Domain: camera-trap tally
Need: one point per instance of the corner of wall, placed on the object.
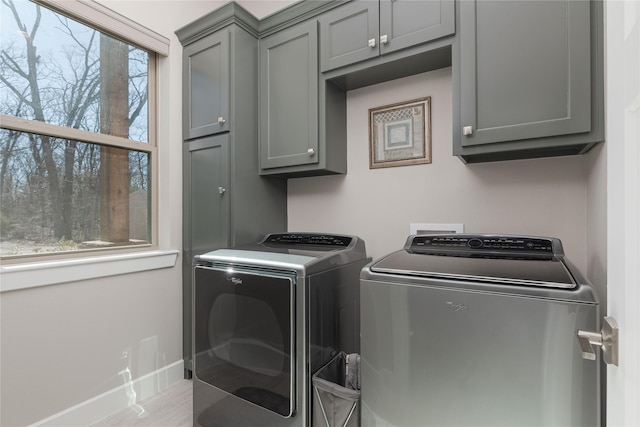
(596, 164)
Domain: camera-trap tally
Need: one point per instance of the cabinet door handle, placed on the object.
(221, 190)
(311, 152)
(384, 39)
(467, 130)
(221, 120)
(372, 43)
(607, 339)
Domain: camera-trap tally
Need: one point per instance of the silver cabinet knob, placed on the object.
(311, 152)
(467, 130)
(372, 43)
(384, 39)
(221, 190)
(221, 120)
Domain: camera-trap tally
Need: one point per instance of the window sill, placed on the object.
(24, 276)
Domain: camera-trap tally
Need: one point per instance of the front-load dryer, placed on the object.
(266, 318)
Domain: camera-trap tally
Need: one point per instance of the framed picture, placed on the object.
(400, 134)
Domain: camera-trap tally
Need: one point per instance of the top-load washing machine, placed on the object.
(477, 330)
(266, 318)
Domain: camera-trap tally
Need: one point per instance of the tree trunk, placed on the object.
(67, 188)
(114, 120)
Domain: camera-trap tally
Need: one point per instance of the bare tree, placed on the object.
(34, 101)
(93, 91)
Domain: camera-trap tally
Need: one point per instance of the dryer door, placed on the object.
(244, 334)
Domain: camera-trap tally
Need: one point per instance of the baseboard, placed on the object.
(99, 407)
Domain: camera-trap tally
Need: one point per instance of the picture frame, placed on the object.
(400, 134)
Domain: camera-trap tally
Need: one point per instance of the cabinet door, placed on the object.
(289, 97)
(205, 224)
(206, 86)
(405, 23)
(524, 70)
(207, 194)
(349, 34)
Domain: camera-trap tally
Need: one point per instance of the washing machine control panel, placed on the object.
(484, 245)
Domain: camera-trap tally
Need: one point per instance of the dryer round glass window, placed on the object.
(254, 342)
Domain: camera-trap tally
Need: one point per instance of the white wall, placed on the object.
(622, 85)
(597, 222)
(65, 344)
(545, 197)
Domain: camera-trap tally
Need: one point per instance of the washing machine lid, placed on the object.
(509, 260)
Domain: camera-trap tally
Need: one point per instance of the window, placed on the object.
(77, 139)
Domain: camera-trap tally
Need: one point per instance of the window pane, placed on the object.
(59, 195)
(58, 71)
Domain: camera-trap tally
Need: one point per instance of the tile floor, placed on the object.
(170, 408)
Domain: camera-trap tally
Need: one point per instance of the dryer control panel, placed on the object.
(314, 239)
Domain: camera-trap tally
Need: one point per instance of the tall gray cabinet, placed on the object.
(527, 79)
(226, 202)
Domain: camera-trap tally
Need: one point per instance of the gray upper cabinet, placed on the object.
(527, 79)
(289, 98)
(365, 29)
(302, 116)
(206, 86)
(405, 23)
(349, 34)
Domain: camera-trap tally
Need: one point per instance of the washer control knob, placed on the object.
(474, 243)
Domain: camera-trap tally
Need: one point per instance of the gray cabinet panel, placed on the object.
(289, 97)
(366, 29)
(525, 73)
(408, 22)
(206, 86)
(205, 214)
(208, 165)
(346, 34)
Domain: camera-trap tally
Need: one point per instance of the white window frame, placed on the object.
(27, 272)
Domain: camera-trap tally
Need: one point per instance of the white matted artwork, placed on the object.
(400, 134)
